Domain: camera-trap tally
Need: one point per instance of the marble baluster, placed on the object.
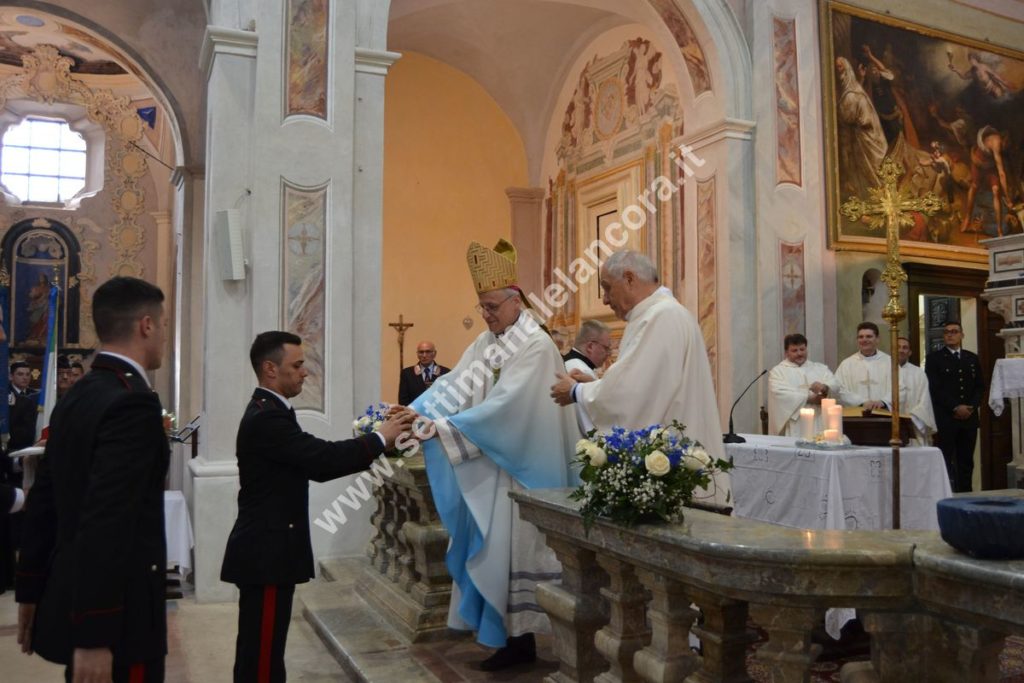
(963, 653)
(893, 635)
(668, 657)
(789, 652)
(626, 631)
(724, 639)
(576, 611)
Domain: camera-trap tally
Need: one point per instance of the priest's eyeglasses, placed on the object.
(492, 308)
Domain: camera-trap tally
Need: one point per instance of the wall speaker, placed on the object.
(227, 228)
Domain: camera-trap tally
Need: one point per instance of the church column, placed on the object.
(367, 220)
(722, 190)
(525, 205)
(229, 61)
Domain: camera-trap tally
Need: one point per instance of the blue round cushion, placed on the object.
(990, 528)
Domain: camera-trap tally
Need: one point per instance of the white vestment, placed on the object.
(498, 430)
(662, 374)
(865, 378)
(916, 402)
(582, 420)
(788, 391)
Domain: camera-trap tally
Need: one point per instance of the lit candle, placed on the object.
(827, 403)
(834, 420)
(831, 436)
(807, 424)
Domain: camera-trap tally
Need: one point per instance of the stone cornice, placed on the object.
(375, 62)
(228, 41)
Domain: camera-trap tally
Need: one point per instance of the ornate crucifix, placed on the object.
(400, 327)
(891, 207)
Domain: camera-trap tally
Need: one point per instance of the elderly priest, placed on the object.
(662, 373)
(497, 431)
(797, 383)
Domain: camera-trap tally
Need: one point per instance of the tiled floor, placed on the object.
(201, 643)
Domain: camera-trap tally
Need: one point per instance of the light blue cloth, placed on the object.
(515, 424)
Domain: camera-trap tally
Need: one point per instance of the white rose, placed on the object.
(363, 422)
(596, 455)
(658, 464)
(355, 425)
(377, 424)
(701, 455)
(582, 445)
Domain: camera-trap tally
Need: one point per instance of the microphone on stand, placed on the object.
(732, 436)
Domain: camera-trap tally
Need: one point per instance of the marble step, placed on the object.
(365, 645)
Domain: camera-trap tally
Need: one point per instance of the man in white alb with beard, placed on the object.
(797, 383)
(865, 378)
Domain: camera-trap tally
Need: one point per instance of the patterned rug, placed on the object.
(1011, 663)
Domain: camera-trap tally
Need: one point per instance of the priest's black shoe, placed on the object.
(518, 650)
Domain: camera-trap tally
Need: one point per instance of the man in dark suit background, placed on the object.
(416, 379)
(269, 549)
(91, 575)
(956, 386)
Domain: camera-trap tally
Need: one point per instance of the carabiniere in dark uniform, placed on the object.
(955, 381)
(94, 554)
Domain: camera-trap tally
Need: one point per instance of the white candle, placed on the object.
(831, 436)
(807, 424)
(826, 404)
(834, 420)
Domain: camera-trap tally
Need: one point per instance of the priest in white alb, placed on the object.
(915, 399)
(797, 383)
(662, 372)
(865, 377)
(497, 431)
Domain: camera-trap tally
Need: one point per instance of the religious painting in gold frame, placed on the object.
(946, 107)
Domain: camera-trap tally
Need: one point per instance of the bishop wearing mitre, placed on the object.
(497, 431)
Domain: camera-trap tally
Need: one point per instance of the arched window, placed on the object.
(43, 161)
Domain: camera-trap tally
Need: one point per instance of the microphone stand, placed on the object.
(732, 436)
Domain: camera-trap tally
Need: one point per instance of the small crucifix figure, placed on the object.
(401, 326)
(867, 386)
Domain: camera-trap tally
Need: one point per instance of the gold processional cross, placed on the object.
(401, 326)
(891, 207)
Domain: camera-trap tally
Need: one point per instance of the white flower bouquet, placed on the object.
(371, 420)
(641, 475)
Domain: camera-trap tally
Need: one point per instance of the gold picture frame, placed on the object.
(929, 99)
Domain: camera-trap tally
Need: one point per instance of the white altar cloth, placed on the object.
(179, 531)
(1007, 382)
(774, 481)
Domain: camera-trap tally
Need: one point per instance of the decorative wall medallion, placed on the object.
(793, 286)
(610, 107)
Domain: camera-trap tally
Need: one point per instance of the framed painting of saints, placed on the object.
(948, 109)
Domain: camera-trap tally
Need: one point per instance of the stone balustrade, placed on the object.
(407, 580)
(623, 609)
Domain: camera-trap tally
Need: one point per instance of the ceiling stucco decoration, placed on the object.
(689, 46)
(619, 97)
(46, 77)
(21, 31)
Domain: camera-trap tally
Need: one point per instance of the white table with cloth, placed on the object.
(1008, 384)
(851, 488)
(179, 531)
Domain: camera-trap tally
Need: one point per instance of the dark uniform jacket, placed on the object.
(411, 384)
(94, 556)
(270, 543)
(7, 496)
(24, 406)
(954, 382)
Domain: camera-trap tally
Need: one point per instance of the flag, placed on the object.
(48, 386)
